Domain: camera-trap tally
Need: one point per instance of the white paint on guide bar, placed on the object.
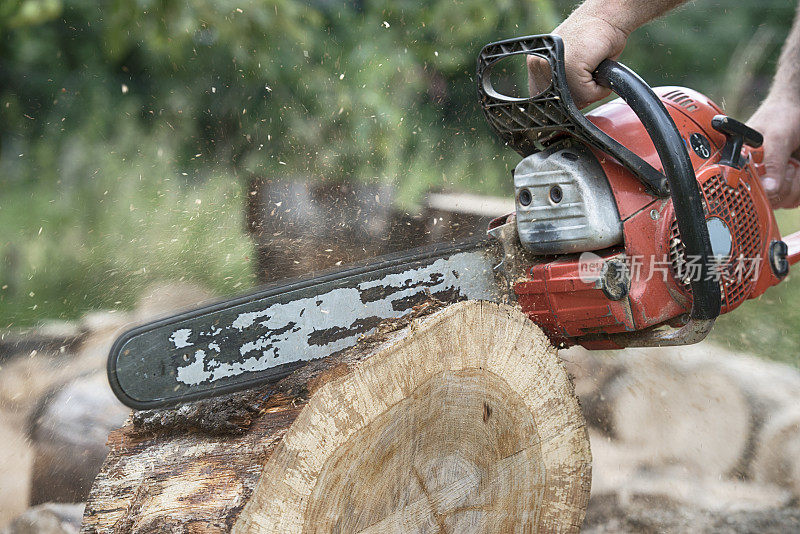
(339, 308)
(246, 320)
(195, 372)
(180, 338)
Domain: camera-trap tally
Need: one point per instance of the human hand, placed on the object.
(778, 120)
(588, 40)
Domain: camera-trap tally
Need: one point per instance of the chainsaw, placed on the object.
(636, 224)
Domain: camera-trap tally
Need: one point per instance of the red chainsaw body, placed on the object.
(555, 293)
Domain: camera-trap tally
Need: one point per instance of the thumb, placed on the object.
(538, 75)
(770, 185)
(775, 160)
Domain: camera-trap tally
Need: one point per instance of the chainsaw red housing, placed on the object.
(571, 309)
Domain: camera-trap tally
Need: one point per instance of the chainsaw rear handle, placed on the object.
(793, 240)
(684, 190)
(793, 244)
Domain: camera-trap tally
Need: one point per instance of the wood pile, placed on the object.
(700, 428)
(50, 518)
(696, 439)
(56, 408)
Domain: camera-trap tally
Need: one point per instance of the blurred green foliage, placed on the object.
(117, 116)
(128, 128)
(718, 47)
(332, 89)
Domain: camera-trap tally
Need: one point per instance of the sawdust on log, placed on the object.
(234, 413)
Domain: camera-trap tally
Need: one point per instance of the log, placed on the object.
(777, 455)
(677, 413)
(459, 419)
(50, 518)
(41, 411)
(592, 372)
(704, 408)
(52, 336)
(622, 471)
(68, 431)
(15, 467)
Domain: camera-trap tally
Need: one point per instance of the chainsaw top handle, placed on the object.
(529, 124)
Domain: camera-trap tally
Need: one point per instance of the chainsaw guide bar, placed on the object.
(262, 337)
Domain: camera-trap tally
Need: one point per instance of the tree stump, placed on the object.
(461, 420)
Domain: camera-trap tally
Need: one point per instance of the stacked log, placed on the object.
(677, 411)
(776, 459)
(675, 430)
(56, 408)
(715, 413)
(50, 518)
(15, 467)
(69, 429)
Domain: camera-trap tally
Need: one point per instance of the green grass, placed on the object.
(108, 225)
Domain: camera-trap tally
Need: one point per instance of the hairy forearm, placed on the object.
(778, 120)
(786, 84)
(625, 15)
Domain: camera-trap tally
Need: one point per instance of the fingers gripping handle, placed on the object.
(528, 124)
(792, 240)
(679, 172)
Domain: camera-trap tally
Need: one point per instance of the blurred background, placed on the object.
(155, 153)
(132, 133)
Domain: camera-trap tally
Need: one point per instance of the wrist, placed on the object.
(609, 13)
(626, 15)
(589, 36)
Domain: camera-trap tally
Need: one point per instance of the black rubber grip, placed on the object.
(684, 190)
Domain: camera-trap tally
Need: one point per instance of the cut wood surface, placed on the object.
(462, 420)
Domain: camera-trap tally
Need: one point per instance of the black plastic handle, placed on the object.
(678, 169)
(529, 124)
(737, 134)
